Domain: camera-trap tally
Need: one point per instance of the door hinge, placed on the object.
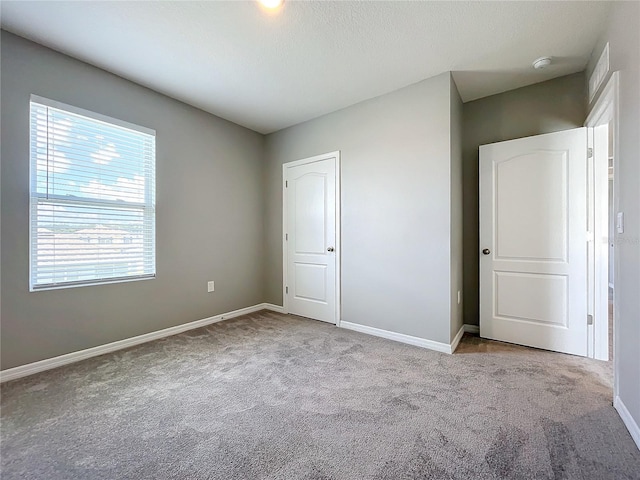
(589, 319)
(589, 152)
(286, 237)
(286, 290)
(286, 184)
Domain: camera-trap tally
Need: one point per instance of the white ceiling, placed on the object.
(269, 71)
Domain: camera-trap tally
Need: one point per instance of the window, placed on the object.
(92, 212)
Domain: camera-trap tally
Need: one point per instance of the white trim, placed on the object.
(605, 110)
(628, 420)
(316, 158)
(338, 250)
(89, 283)
(591, 236)
(272, 307)
(456, 339)
(285, 252)
(468, 328)
(599, 203)
(92, 115)
(401, 337)
(49, 363)
(338, 245)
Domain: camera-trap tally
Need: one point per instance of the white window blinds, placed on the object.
(92, 209)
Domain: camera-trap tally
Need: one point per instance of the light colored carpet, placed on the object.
(270, 396)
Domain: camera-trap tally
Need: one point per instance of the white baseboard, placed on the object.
(49, 363)
(456, 339)
(400, 337)
(628, 420)
(468, 328)
(272, 307)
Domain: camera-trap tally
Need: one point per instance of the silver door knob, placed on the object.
(330, 249)
(486, 251)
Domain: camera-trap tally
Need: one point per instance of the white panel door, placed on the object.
(310, 238)
(533, 241)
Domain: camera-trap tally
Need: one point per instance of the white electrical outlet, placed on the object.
(210, 286)
(459, 297)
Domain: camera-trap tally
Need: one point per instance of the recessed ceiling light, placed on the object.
(542, 62)
(271, 4)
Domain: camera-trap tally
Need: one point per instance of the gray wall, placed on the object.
(395, 152)
(457, 253)
(624, 42)
(550, 106)
(209, 213)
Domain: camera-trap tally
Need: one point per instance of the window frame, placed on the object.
(147, 207)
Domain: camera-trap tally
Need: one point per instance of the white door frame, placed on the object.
(338, 249)
(605, 110)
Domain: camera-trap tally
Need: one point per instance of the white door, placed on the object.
(533, 241)
(310, 228)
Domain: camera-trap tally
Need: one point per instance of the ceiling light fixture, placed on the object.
(271, 4)
(542, 62)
